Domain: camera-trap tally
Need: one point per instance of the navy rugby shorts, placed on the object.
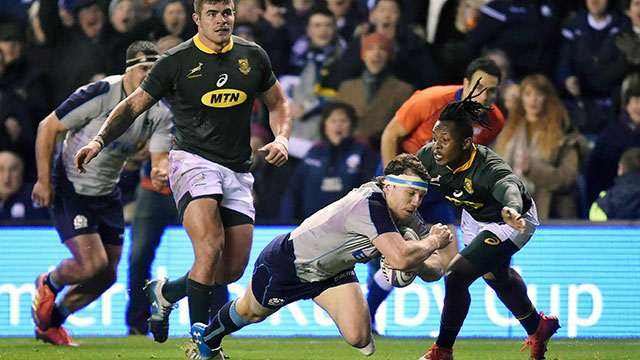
(274, 282)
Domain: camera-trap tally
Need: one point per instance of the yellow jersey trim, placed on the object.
(208, 50)
(466, 165)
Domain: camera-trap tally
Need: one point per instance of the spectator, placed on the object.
(20, 76)
(120, 29)
(347, 15)
(295, 15)
(590, 106)
(270, 31)
(622, 200)
(502, 60)
(543, 148)
(16, 133)
(176, 20)
(601, 166)
(15, 195)
(620, 56)
(413, 62)
(331, 168)
(312, 56)
(80, 50)
(526, 30)
(376, 94)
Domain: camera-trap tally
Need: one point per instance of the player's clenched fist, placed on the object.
(441, 234)
(277, 151)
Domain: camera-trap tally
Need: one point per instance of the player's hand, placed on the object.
(441, 235)
(42, 194)
(85, 154)
(276, 153)
(159, 177)
(513, 219)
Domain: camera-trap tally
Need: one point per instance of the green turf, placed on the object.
(138, 347)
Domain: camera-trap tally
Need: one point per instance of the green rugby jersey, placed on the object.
(212, 96)
(471, 185)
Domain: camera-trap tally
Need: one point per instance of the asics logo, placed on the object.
(222, 79)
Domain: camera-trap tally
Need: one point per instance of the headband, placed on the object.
(141, 60)
(411, 181)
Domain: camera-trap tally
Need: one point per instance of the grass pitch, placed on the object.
(139, 347)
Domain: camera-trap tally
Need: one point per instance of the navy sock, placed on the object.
(199, 301)
(59, 314)
(225, 322)
(219, 297)
(55, 288)
(175, 290)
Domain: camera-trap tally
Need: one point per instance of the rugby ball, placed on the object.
(399, 278)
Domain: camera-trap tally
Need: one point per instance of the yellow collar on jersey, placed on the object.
(466, 165)
(208, 50)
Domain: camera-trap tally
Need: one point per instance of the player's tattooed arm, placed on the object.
(123, 115)
(119, 120)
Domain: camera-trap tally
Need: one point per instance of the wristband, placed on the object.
(99, 140)
(282, 140)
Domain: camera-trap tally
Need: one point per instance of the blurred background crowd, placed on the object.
(569, 90)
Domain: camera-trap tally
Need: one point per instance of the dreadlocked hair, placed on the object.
(467, 111)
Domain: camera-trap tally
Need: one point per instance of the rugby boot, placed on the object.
(43, 304)
(205, 352)
(160, 309)
(537, 342)
(56, 336)
(438, 353)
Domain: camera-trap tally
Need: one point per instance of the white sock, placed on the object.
(369, 349)
(378, 277)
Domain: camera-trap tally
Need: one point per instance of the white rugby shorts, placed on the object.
(198, 177)
(471, 228)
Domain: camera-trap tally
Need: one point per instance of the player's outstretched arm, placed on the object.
(48, 128)
(280, 122)
(119, 120)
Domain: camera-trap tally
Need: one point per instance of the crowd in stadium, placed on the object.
(569, 64)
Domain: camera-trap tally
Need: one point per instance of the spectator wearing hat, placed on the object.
(377, 93)
(79, 50)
